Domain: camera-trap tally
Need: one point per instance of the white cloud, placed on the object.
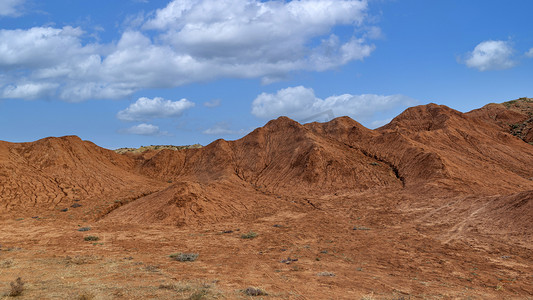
(143, 129)
(491, 55)
(28, 90)
(301, 103)
(187, 41)
(223, 128)
(530, 53)
(213, 103)
(146, 109)
(11, 8)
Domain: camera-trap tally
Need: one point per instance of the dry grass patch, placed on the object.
(17, 287)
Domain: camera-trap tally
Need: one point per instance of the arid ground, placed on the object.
(437, 204)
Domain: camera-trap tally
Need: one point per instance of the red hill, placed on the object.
(437, 203)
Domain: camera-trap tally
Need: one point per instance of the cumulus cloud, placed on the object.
(530, 53)
(28, 90)
(11, 8)
(491, 55)
(157, 108)
(223, 128)
(300, 103)
(185, 42)
(143, 129)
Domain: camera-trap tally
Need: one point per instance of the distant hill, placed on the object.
(156, 147)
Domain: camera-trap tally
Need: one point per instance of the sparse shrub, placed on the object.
(8, 263)
(252, 291)
(326, 274)
(360, 228)
(200, 294)
(374, 163)
(368, 297)
(166, 286)
(84, 229)
(184, 256)
(193, 291)
(249, 235)
(152, 268)
(17, 287)
(91, 238)
(86, 296)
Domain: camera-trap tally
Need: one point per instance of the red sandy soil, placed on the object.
(437, 204)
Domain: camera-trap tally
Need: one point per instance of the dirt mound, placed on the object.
(52, 171)
(187, 203)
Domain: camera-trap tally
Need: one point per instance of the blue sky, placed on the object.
(128, 73)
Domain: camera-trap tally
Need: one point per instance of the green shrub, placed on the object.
(249, 235)
(91, 238)
(252, 291)
(184, 256)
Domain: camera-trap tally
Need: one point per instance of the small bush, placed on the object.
(17, 287)
(326, 274)
(85, 296)
(360, 228)
(368, 297)
(184, 256)
(91, 238)
(249, 235)
(252, 291)
(8, 263)
(152, 268)
(200, 294)
(84, 229)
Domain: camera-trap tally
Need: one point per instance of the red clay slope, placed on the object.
(435, 146)
(256, 175)
(515, 117)
(54, 172)
(428, 150)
